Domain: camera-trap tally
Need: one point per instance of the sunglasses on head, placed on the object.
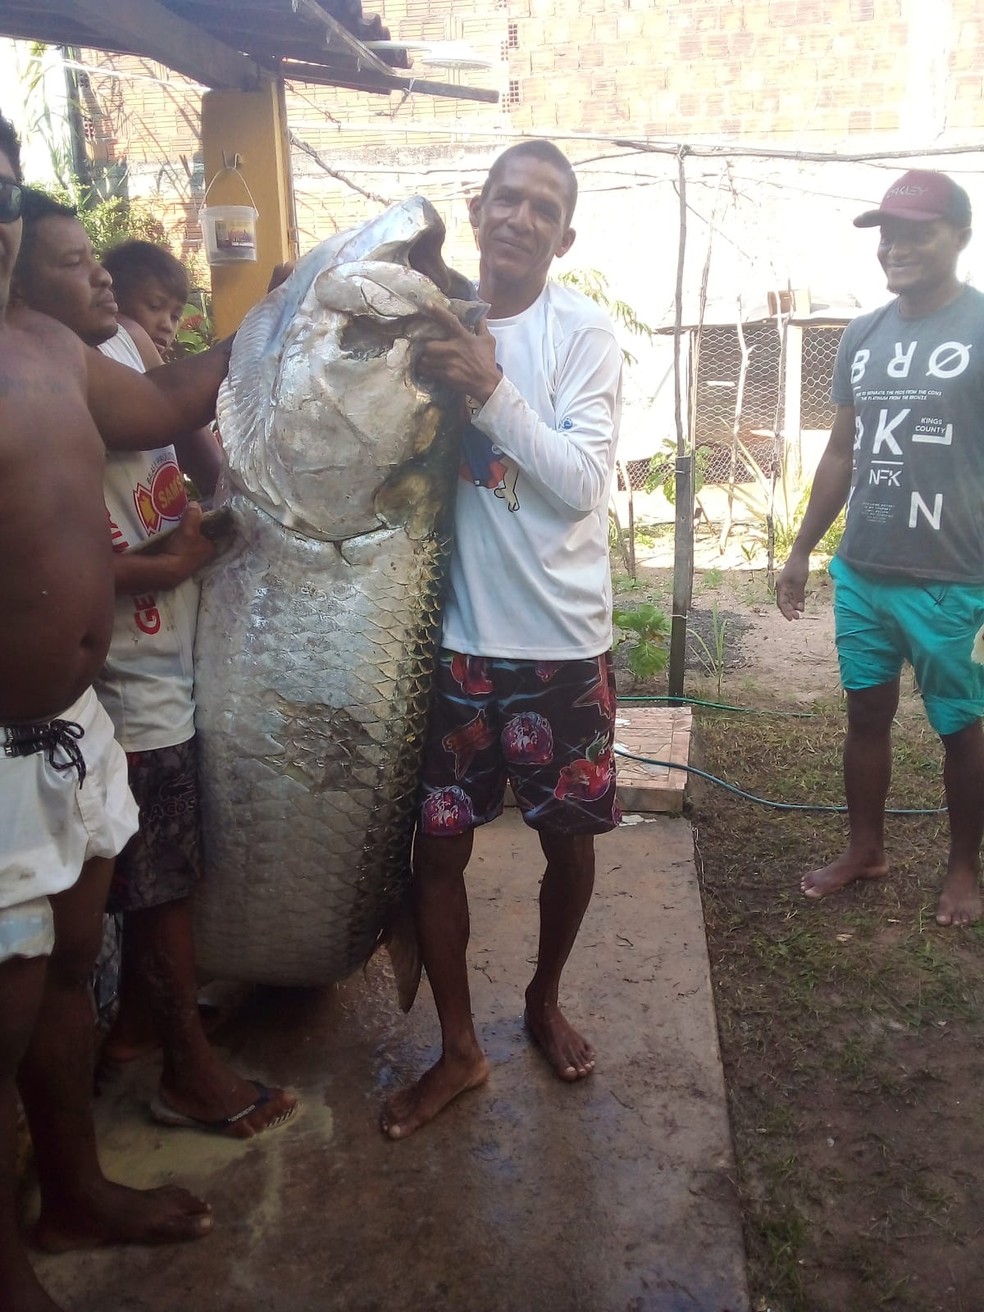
(11, 201)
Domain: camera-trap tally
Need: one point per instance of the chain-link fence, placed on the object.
(820, 342)
(756, 387)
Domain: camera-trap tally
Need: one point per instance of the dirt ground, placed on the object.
(852, 1030)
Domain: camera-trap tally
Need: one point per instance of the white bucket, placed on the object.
(229, 233)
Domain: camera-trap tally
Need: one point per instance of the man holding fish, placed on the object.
(65, 809)
(525, 688)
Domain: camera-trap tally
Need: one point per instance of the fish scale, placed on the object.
(316, 645)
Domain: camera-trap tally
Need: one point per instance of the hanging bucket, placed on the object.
(228, 231)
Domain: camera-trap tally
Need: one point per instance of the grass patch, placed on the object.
(851, 1030)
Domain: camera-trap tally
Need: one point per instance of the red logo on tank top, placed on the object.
(165, 501)
(116, 535)
(146, 615)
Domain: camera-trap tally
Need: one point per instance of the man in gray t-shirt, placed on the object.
(906, 456)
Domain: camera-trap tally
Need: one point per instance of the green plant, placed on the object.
(627, 583)
(776, 522)
(662, 470)
(194, 333)
(715, 650)
(111, 221)
(619, 542)
(644, 630)
(593, 284)
(40, 117)
(828, 544)
(96, 191)
(652, 535)
(108, 221)
(785, 526)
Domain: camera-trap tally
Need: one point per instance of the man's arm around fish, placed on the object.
(58, 400)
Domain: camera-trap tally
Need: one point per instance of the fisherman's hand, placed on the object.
(462, 359)
(791, 586)
(187, 549)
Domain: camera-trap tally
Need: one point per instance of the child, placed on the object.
(151, 287)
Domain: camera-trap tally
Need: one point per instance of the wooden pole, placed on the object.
(248, 129)
(778, 453)
(632, 550)
(746, 352)
(683, 540)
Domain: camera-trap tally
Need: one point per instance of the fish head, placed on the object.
(324, 404)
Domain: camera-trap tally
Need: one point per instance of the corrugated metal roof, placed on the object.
(233, 43)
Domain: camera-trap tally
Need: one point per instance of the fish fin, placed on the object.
(404, 953)
(247, 394)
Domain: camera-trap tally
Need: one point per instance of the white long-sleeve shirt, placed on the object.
(530, 575)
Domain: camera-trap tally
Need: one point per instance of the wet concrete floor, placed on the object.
(528, 1195)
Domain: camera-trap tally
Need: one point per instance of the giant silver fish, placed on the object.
(317, 631)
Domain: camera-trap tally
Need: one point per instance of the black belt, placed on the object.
(58, 738)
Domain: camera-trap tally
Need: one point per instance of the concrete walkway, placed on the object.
(527, 1195)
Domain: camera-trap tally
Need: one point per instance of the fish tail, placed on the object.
(404, 952)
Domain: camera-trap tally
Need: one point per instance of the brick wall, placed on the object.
(143, 114)
(815, 75)
(796, 72)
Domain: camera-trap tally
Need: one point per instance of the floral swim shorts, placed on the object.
(546, 727)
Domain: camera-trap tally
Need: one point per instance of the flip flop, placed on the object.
(165, 1115)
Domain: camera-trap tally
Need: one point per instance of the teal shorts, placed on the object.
(881, 622)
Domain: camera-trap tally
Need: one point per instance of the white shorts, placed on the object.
(51, 823)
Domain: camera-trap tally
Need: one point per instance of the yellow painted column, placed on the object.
(252, 125)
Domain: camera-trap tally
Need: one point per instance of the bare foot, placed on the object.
(214, 1097)
(114, 1214)
(960, 899)
(570, 1055)
(845, 870)
(419, 1103)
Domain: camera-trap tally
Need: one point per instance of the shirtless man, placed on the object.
(146, 687)
(63, 794)
(531, 697)
(906, 454)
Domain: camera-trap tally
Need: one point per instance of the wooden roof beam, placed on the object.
(337, 35)
(394, 81)
(148, 28)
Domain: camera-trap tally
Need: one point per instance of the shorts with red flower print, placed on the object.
(546, 727)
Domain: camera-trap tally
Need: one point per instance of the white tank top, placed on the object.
(147, 683)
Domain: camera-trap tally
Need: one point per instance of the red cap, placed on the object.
(923, 196)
